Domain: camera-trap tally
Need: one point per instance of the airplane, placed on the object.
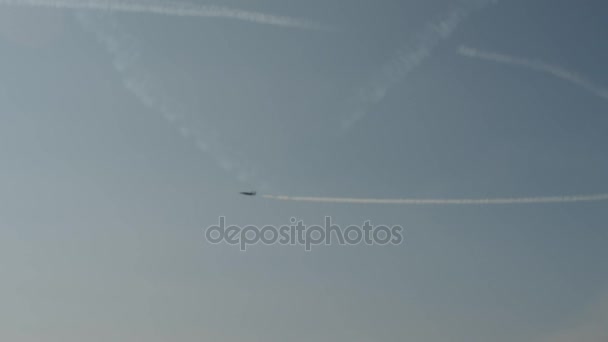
(248, 193)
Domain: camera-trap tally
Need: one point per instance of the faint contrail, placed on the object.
(171, 9)
(141, 83)
(444, 201)
(408, 58)
(553, 70)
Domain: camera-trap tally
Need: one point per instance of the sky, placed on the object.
(129, 127)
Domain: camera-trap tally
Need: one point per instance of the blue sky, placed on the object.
(124, 135)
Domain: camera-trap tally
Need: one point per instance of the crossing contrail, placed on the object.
(553, 70)
(408, 58)
(171, 9)
(446, 201)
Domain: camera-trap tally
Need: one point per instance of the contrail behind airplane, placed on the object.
(553, 70)
(141, 83)
(170, 9)
(445, 201)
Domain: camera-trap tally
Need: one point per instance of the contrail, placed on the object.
(444, 201)
(553, 70)
(171, 9)
(142, 84)
(409, 58)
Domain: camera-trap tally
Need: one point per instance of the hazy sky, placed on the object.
(125, 133)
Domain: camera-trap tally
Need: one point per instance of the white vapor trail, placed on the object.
(142, 84)
(409, 58)
(444, 201)
(170, 9)
(553, 70)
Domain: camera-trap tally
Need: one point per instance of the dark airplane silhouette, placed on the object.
(248, 193)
